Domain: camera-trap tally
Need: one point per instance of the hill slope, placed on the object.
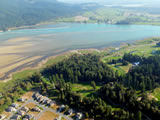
(29, 12)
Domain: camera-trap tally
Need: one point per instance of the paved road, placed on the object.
(44, 110)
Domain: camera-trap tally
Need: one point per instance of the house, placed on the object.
(44, 100)
(15, 117)
(139, 98)
(35, 95)
(14, 105)
(11, 109)
(29, 117)
(136, 63)
(36, 109)
(62, 107)
(48, 101)
(70, 112)
(40, 99)
(25, 109)
(25, 119)
(52, 103)
(21, 113)
(79, 116)
(2, 117)
(21, 100)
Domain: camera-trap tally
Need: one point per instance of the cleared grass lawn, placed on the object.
(48, 116)
(156, 93)
(17, 77)
(27, 95)
(126, 68)
(84, 88)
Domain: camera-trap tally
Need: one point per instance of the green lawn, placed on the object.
(156, 93)
(84, 89)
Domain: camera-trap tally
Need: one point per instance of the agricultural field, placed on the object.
(114, 16)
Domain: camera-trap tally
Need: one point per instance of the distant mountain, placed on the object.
(15, 13)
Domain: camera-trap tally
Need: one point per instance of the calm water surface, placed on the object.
(55, 38)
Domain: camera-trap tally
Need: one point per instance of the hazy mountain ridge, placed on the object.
(29, 12)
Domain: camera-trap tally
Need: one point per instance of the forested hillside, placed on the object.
(111, 96)
(29, 12)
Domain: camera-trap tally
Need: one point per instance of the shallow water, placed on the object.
(48, 39)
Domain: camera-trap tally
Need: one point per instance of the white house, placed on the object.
(11, 109)
(52, 103)
(21, 112)
(14, 105)
(79, 116)
(70, 111)
(136, 63)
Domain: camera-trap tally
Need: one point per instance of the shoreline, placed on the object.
(43, 63)
(55, 22)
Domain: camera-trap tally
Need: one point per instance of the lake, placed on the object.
(66, 36)
(25, 47)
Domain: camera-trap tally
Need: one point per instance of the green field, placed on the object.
(115, 16)
(156, 93)
(19, 76)
(145, 48)
(84, 88)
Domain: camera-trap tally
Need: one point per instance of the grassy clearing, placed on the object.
(84, 88)
(55, 60)
(17, 77)
(156, 93)
(141, 48)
